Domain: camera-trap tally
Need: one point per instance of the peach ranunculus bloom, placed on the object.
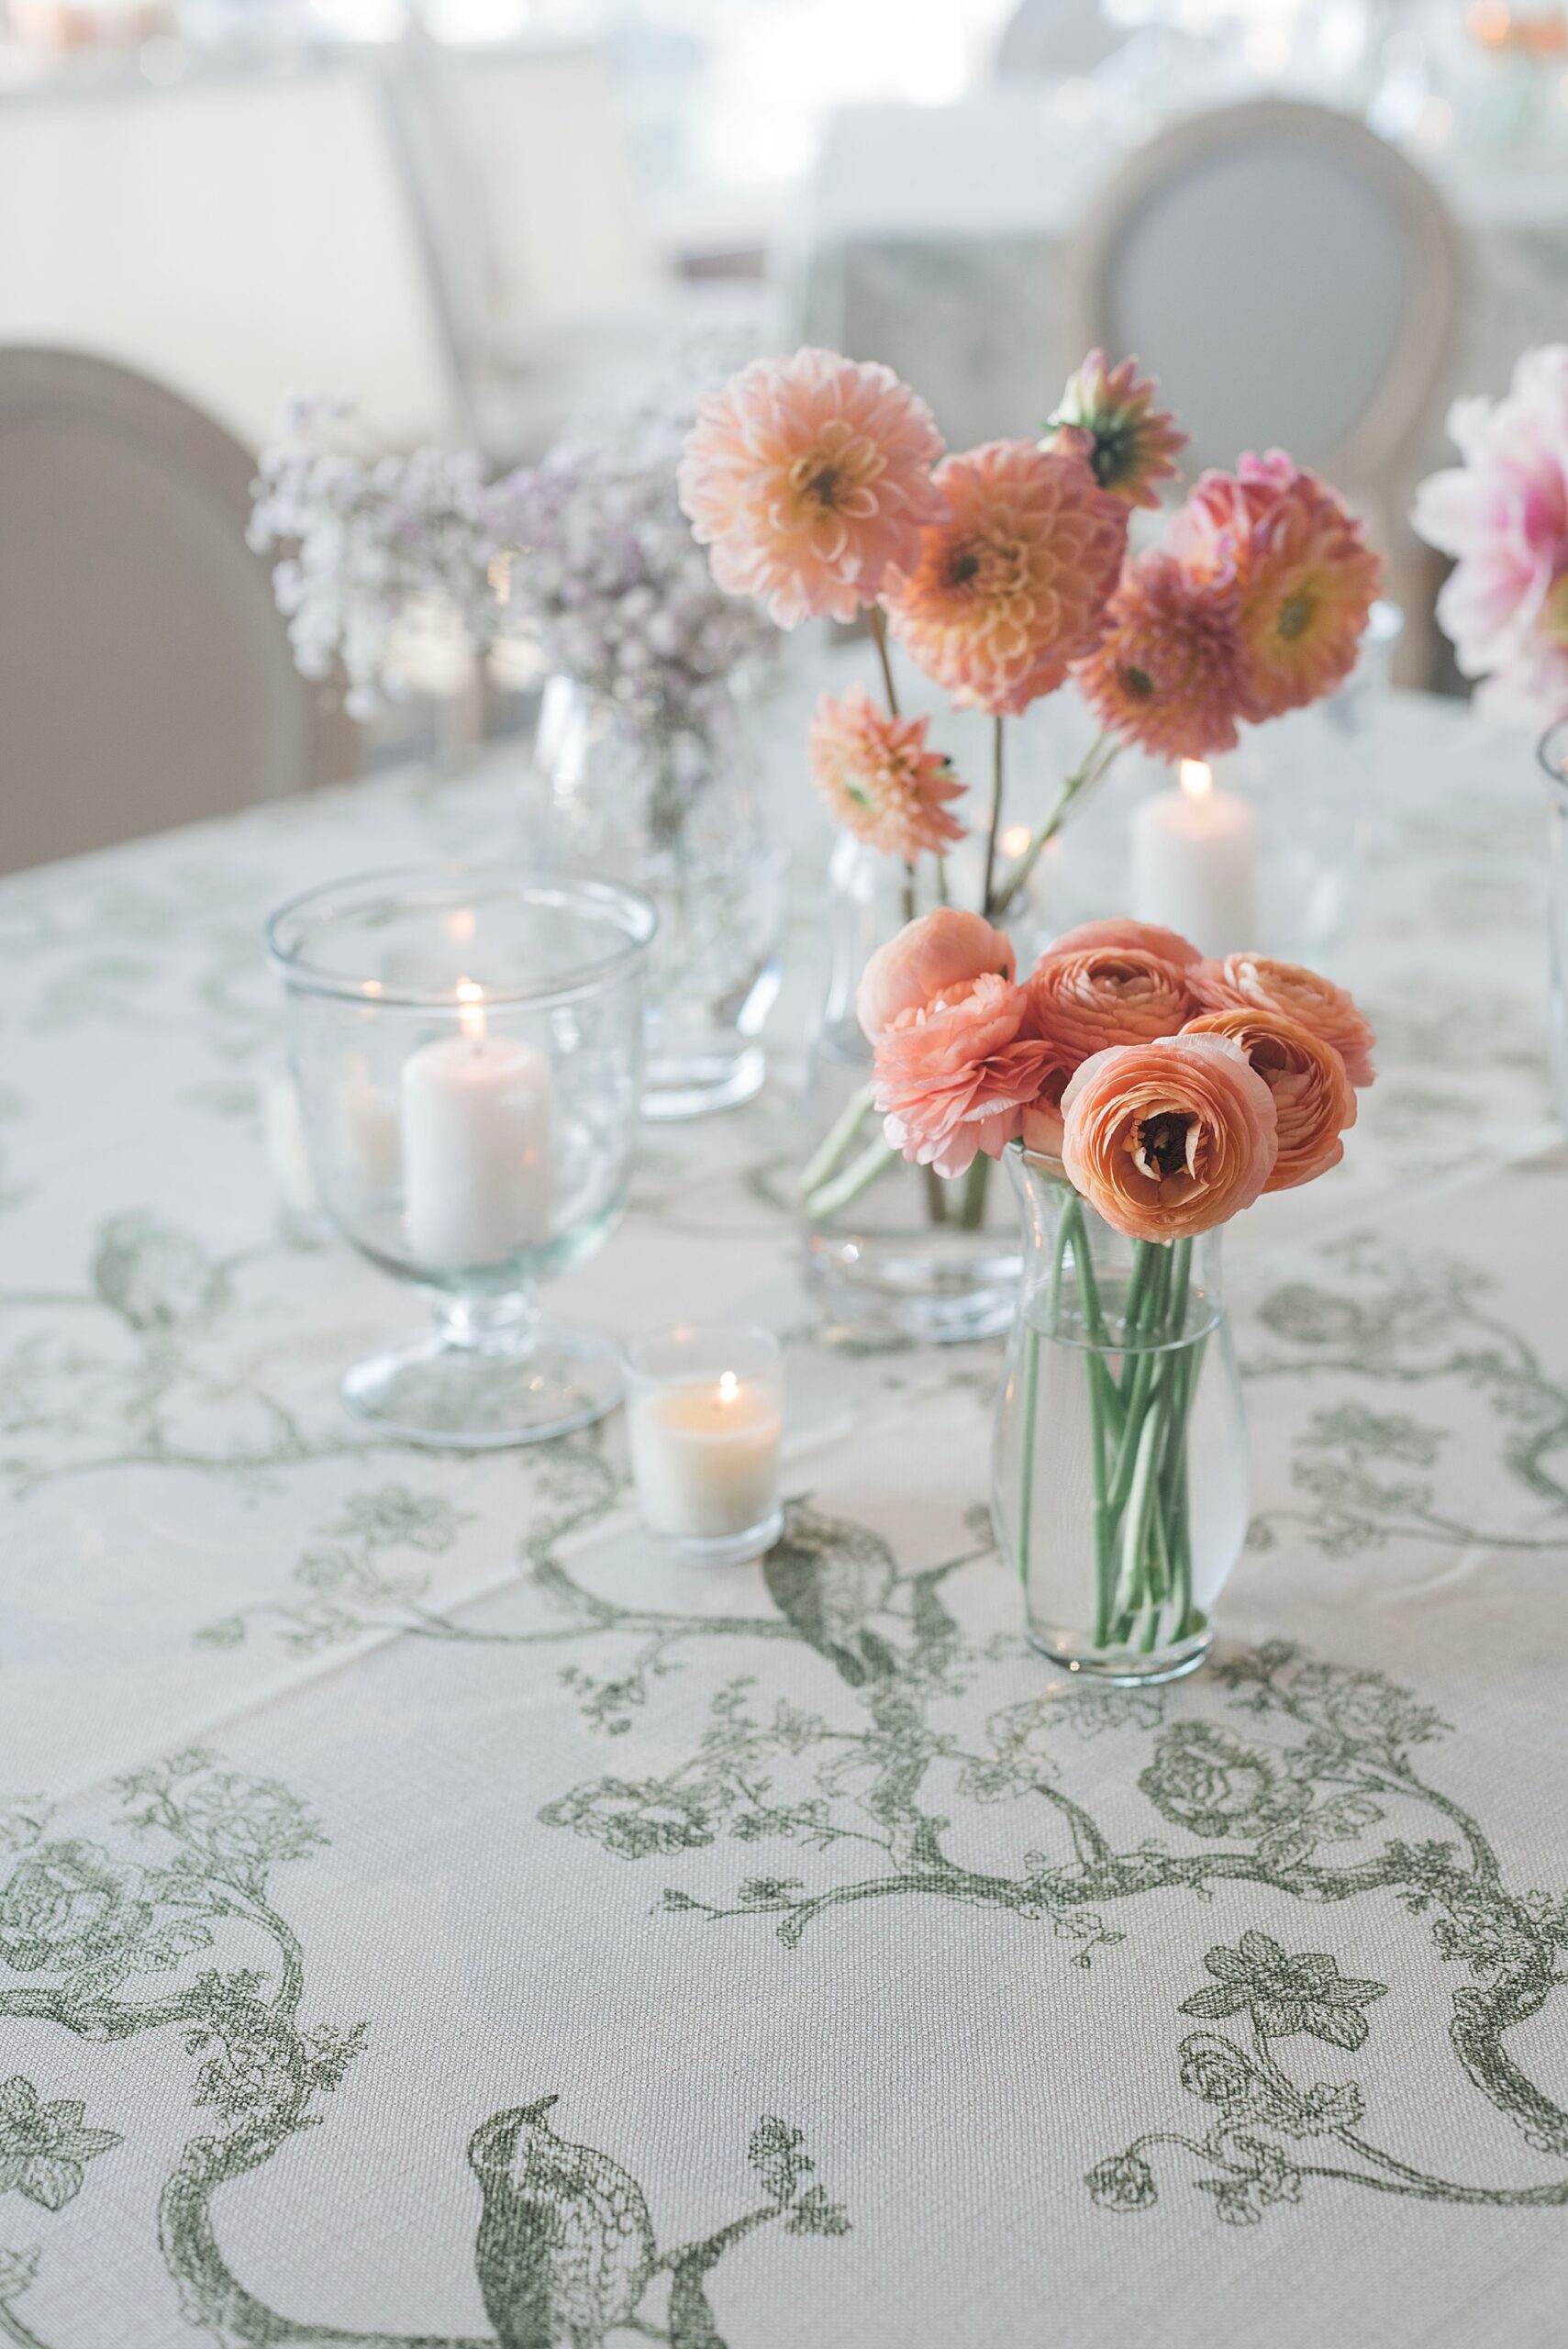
(809, 479)
(1041, 1128)
(1314, 1098)
(1148, 936)
(879, 779)
(1169, 1138)
(1091, 996)
(1168, 674)
(941, 952)
(957, 1076)
(1258, 983)
(1132, 443)
(1013, 585)
(1306, 577)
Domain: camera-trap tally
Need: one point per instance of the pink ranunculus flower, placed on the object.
(809, 479)
(1147, 937)
(1503, 514)
(942, 951)
(879, 778)
(957, 1076)
(1259, 982)
(1087, 998)
(1314, 1098)
(1169, 1138)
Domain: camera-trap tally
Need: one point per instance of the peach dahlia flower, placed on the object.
(956, 1077)
(1149, 937)
(941, 952)
(1132, 443)
(1169, 1138)
(810, 479)
(1168, 673)
(1306, 577)
(1013, 585)
(878, 778)
(1314, 1098)
(1257, 983)
(1087, 998)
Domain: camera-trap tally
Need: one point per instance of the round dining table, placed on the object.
(430, 1916)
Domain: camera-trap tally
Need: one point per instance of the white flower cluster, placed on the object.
(373, 543)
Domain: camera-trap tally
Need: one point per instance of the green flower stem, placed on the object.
(879, 638)
(858, 1176)
(1025, 1462)
(1097, 763)
(998, 774)
(972, 1206)
(833, 1148)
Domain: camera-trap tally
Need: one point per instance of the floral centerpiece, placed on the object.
(1143, 1097)
(820, 489)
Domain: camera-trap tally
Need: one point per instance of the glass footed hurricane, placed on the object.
(468, 1050)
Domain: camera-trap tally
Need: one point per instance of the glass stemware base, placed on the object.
(486, 1376)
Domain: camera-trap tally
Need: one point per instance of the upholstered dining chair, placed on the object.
(145, 675)
(1293, 281)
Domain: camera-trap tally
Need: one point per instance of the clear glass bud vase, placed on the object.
(1120, 1452)
(670, 805)
(893, 1250)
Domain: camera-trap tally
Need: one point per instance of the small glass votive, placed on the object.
(705, 1412)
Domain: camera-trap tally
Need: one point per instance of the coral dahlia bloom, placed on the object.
(809, 478)
(1089, 998)
(1168, 1139)
(1307, 577)
(1013, 585)
(1314, 1098)
(1132, 444)
(1257, 983)
(941, 952)
(956, 1076)
(1148, 936)
(1168, 674)
(878, 778)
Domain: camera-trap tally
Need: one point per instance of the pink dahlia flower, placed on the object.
(879, 779)
(1168, 673)
(1503, 514)
(1013, 585)
(958, 1077)
(1132, 443)
(1306, 578)
(809, 479)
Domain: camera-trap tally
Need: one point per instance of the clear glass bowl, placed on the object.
(467, 1048)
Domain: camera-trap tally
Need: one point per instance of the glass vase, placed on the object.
(1119, 1450)
(1554, 755)
(672, 807)
(892, 1251)
(467, 1051)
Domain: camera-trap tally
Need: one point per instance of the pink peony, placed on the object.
(810, 479)
(1013, 585)
(1503, 514)
(879, 779)
(958, 1076)
(943, 950)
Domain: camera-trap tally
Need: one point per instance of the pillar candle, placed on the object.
(476, 1145)
(1195, 861)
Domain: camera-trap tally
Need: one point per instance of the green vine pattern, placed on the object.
(113, 1947)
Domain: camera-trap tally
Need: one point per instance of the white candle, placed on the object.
(1194, 862)
(283, 1129)
(370, 1131)
(706, 1456)
(475, 1140)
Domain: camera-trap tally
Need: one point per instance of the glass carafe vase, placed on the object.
(1120, 1452)
(672, 806)
(892, 1251)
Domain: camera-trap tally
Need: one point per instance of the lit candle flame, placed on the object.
(729, 1387)
(1198, 781)
(470, 1010)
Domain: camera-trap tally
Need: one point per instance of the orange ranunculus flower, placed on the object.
(810, 479)
(879, 778)
(1087, 998)
(1257, 983)
(1314, 1098)
(1169, 944)
(929, 958)
(1169, 1138)
(1013, 585)
(956, 1076)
